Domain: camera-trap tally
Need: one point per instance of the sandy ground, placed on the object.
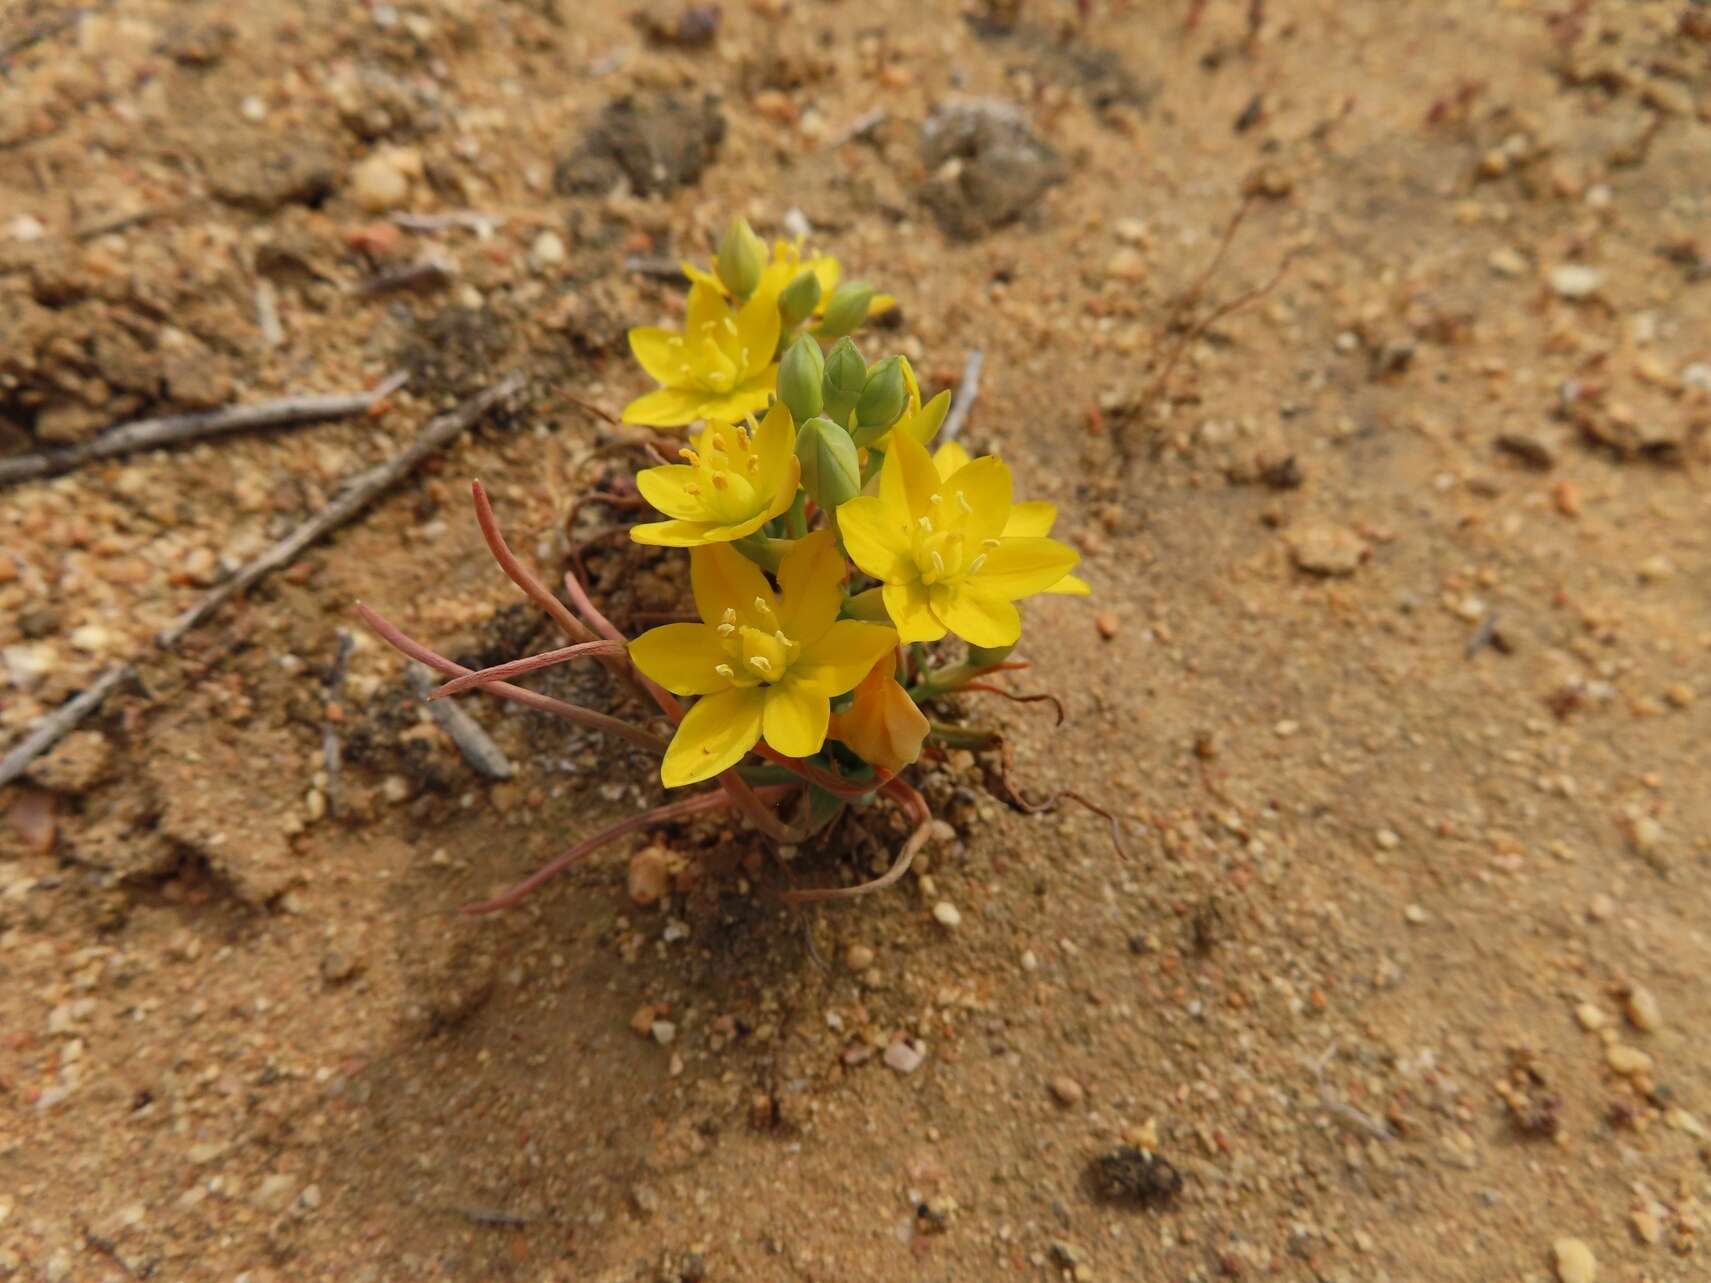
(1397, 672)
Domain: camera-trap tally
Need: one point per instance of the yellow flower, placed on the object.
(942, 549)
(883, 725)
(786, 265)
(1031, 518)
(731, 486)
(764, 663)
(720, 367)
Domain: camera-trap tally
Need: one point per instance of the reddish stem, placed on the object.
(916, 806)
(528, 664)
(518, 573)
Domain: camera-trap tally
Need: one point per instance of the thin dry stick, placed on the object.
(660, 269)
(49, 730)
(963, 402)
(398, 640)
(485, 757)
(355, 496)
(148, 434)
(659, 815)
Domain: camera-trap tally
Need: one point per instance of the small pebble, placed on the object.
(547, 251)
(1590, 1017)
(1415, 914)
(1647, 1228)
(1127, 264)
(905, 1057)
(1575, 1262)
(947, 914)
(1642, 1010)
(1067, 1090)
(1627, 1060)
(1325, 549)
(1507, 262)
(1387, 839)
(1108, 624)
(664, 1032)
(649, 876)
(1576, 280)
(858, 957)
(1601, 909)
(381, 182)
(275, 1193)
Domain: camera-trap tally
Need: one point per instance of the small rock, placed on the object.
(1656, 569)
(664, 1032)
(337, 967)
(1067, 1255)
(1387, 839)
(906, 1056)
(25, 228)
(1136, 1174)
(1574, 1260)
(1647, 1228)
(547, 252)
(1326, 549)
(1127, 264)
(381, 182)
(1507, 262)
(1642, 1010)
(1590, 1017)
(947, 914)
(649, 877)
(1108, 624)
(275, 1193)
(395, 789)
(1067, 1091)
(1601, 909)
(1645, 833)
(858, 957)
(1627, 1060)
(1415, 915)
(1130, 231)
(1576, 280)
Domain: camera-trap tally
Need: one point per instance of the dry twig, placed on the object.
(963, 402)
(148, 434)
(485, 757)
(49, 730)
(355, 496)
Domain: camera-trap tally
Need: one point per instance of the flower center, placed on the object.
(757, 656)
(943, 550)
(727, 468)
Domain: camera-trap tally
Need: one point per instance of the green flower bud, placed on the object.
(983, 656)
(742, 258)
(883, 395)
(831, 473)
(846, 375)
(799, 378)
(797, 300)
(847, 308)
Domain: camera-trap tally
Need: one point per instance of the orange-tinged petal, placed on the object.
(984, 486)
(907, 480)
(660, 352)
(667, 408)
(884, 726)
(811, 583)
(714, 736)
(682, 658)
(911, 611)
(671, 489)
(723, 579)
(1020, 567)
(1033, 518)
(796, 717)
(840, 658)
(876, 539)
(976, 618)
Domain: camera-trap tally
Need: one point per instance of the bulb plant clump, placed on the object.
(830, 536)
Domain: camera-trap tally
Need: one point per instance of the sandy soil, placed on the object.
(1397, 672)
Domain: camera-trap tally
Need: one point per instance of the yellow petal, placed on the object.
(811, 582)
(950, 458)
(978, 619)
(842, 656)
(868, 605)
(714, 736)
(876, 539)
(984, 486)
(707, 311)
(907, 479)
(682, 658)
(923, 426)
(1030, 519)
(1021, 567)
(757, 333)
(723, 579)
(1070, 586)
(668, 488)
(666, 408)
(741, 401)
(698, 277)
(881, 303)
(827, 270)
(660, 353)
(678, 534)
(775, 446)
(912, 612)
(796, 717)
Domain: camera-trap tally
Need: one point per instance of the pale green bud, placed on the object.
(742, 258)
(797, 300)
(883, 395)
(800, 375)
(846, 375)
(847, 308)
(831, 474)
(983, 656)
